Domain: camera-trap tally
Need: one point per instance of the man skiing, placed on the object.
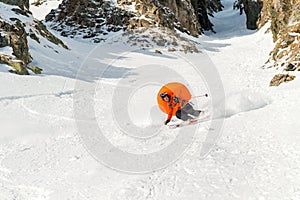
(183, 109)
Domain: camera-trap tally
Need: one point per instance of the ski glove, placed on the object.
(167, 121)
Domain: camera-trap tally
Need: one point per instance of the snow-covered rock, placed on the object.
(17, 27)
(93, 19)
(285, 26)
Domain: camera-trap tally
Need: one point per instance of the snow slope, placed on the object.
(42, 10)
(49, 148)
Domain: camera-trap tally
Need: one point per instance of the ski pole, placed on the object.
(203, 95)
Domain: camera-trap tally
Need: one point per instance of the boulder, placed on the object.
(281, 78)
(18, 65)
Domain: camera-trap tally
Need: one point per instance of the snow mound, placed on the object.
(145, 113)
(245, 101)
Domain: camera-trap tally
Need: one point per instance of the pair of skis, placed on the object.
(189, 122)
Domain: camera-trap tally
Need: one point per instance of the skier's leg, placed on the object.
(188, 108)
(196, 113)
(181, 114)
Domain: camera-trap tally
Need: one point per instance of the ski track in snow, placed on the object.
(256, 157)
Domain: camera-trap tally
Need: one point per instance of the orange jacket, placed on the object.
(174, 105)
(179, 97)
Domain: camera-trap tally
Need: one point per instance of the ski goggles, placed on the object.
(164, 94)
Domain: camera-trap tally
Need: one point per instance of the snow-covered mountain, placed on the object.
(71, 18)
(89, 127)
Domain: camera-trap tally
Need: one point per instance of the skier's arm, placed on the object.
(171, 105)
(169, 117)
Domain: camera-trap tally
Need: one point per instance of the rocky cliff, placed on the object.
(93, 19)
(252, 9)
(16, 27)
(88, 19)
(284, 16)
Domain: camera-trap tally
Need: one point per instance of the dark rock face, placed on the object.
(3, 41)
(185, 14)
(42, 30)
(252, 9)
(23, 4)
(169, 14)
(205, 8)
(88, 18)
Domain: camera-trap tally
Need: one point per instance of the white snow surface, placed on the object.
(6, 14)
(257, 156)
(42, 10)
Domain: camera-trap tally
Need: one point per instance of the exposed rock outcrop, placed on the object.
(285, 26)
(281, 78)
(42, 30)
(88, 19)
(167, 14)
(205, 8)
(284, 16)
(23, 4)
(162, 38)
(38, 2)
(252, 9)
(185, 14)
(13, 34)
(93, 19)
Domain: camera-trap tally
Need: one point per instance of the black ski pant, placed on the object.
(185, 112)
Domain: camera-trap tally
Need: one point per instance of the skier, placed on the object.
(183, 109)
